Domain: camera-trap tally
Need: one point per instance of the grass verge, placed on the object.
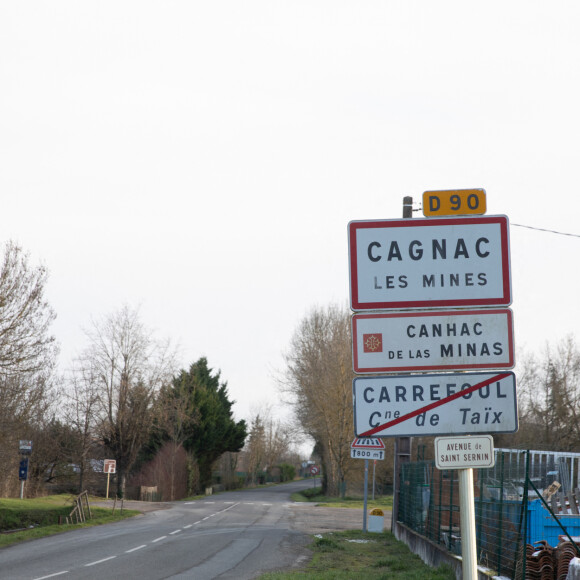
(40, 518)
(354, 554)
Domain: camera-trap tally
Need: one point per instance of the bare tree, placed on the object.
(268, 443)
(129, 367)
(81, 414)
(27, 351)
(318, 378)
(254, 449)
(549, 398)
(174, 414)
(25, 316)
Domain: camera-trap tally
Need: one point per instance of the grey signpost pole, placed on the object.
(22, 489)
(402, 444)
(366, 495)
(467, 521)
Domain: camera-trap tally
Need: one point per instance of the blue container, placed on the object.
(543, 526)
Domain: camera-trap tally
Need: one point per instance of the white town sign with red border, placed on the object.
(429, 263)
(432, 341)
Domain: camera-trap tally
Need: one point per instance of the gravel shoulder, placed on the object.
(312, 519)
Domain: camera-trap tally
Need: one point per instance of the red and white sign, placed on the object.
(313, 470)
(367, 443)
(435, 404)
(431, 341)
(429, 263)
(109, 466)
(367, 448)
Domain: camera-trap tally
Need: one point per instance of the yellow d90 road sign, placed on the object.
(454, 202)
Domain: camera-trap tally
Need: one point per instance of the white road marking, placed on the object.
(100, 561)
(135, 549)
(230, 506)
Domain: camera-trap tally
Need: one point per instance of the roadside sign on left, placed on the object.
(109, 466)
(23, 469)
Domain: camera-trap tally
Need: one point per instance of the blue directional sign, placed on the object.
(23, 469)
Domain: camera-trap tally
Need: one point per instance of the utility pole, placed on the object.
(402, 444)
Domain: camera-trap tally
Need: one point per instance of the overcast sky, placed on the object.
(201, 160)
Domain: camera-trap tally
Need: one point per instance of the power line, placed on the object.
(544, 230)
(528, 227)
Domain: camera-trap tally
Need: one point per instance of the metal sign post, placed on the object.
(467, 522)
(463, 454)
(25, 448)
(365, 495)
(23, 474)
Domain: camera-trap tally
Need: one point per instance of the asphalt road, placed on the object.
(237, 535)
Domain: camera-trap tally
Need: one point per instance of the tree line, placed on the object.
(317, 381)
(124, 398)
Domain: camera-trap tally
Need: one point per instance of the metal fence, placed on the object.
(526, 503)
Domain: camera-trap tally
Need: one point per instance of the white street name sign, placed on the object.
(432, 341)
(429, 263)
(475, 451)
(435, 404)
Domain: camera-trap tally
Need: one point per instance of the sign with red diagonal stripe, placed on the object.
(435, 404)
